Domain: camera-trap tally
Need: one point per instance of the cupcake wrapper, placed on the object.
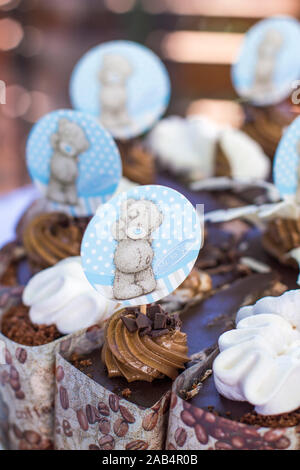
(285, 233)
(193, 428)
(27, 387)
(90, 417)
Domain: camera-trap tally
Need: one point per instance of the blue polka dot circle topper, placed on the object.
(141, 245)
(122, 83)
(74, 161)
(268, 63)
(286, 169)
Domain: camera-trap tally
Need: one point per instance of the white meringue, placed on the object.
(259, 361)
(62, 295)
(246, 157)
(190, 145)
(185, 144)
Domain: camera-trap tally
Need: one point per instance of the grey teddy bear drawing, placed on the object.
(67, 143)
(134, 254)
(113, 76)
(267, 53)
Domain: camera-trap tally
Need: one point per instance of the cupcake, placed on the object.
(244, 395)
(122, 387)
(55, 304)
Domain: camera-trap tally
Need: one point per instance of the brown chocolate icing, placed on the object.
(266, 124)
(133, 348)
(51, 237)
(281, 236)
(138, 164)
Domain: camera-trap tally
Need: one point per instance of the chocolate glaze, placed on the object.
(142, 393)
(205, 322)
(209, 398)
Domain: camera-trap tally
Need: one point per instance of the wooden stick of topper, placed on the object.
(143, 309)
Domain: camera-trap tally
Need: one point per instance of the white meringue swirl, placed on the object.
(190, 145)
(259, 361)
(62, 295)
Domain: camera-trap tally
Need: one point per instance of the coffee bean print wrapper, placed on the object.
(193, 428)
(27, 387)
(91, 417)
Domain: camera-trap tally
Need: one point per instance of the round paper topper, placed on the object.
(141, 245)
(74, 161)
(286, 169)
(269, 62)
(122, 83)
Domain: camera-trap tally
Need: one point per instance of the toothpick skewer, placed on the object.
(143, 309)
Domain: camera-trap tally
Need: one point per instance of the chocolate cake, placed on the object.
(17, 326)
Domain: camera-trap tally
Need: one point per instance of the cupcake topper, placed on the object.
(141, 245)
(73, 161)
(123, 84)
(268, 63)
(286, 169)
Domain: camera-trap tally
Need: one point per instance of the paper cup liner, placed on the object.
(10, 255)
(286, 233)
(27, 387)
(90, 417)
(193, 428)
(280, 237)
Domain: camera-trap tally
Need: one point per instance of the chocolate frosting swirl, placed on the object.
(136, 349)
(53, 236)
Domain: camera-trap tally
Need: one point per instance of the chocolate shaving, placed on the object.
(142, 321)
(146, 331)
(160, 321)
(157, 333)
(130, 323)
(155, 323)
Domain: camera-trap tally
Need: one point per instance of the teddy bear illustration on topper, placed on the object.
(267, 52)
(134, 254)
(67, 143)
(113, 77)
(297, 196)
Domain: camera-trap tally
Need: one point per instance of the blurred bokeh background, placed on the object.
(41, 40)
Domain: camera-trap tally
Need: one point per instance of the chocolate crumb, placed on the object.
(272, 421)
(17, 326)
(126, 393)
